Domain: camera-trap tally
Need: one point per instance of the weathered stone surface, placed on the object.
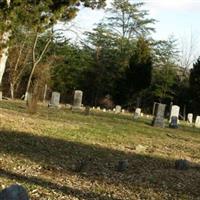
(55, 99)
(197, 122)
(78, 95)
(14, 192)
(118, 109)
(122, 165)
(158, 120)
(182, 164)
(137, 113)
(190, 118)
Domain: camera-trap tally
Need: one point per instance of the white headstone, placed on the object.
(137, 113)
(104, 110)
(78, 95)
(123, 111)
(190, 118)
(118, 109)
(197, 122)
(55, 99)
(174, 112)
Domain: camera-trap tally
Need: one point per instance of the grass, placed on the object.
(40, 151)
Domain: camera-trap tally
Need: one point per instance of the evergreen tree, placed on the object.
(195, 86)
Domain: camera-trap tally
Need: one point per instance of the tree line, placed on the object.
(118, 62)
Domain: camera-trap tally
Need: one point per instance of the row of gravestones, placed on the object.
(174, 115)
(77, 103)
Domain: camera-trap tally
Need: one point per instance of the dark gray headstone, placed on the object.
(158, 120)
(122, 165)
(14, 192)
(182, 164)
(174, 122)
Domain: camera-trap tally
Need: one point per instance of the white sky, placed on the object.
(174, 17)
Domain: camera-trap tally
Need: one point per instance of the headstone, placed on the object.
(78, 95)
(55, 99)
(197, 122)
(122, 165)
(14, 192)
(174, 112)
(123, 111)
(181, 164)
(118, 109)
(174, 122)
(1, 95)
(104, 110)
(190, 118)
(137, 113)
(98, 108)
(158, 120)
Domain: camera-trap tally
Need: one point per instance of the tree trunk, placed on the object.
(4, 51)
(12, 90)
(3, 60)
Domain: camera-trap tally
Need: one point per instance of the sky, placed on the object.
(179, 18)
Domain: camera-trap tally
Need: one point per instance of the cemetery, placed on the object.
(99, 100)
(103, 155)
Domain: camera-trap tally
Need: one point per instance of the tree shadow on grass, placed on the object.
(53, 186)
(144, 171)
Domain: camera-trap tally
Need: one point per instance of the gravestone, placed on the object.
(14, 192)
(190, 118)
(55, 99)
(137, 113)
(174, 112)
(122, 165)
(182, 164)
(78, 95)
(158, 120)
(118, 109)
(1, 95)
(197, 122)
(174, 122)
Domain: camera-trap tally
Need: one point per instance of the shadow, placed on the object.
(53, 186)
(60, 155)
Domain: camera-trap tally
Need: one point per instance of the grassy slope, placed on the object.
(40, 152)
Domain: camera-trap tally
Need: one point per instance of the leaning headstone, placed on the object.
(137, 113)
(78, 95)
(118, 109)
(174, 122)
(197, 122)
(174, 112)
(158, 120)
(55, 99)
(14, 192)
(122, 165)
(181, 164)
(190, 118)
(1, 95)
